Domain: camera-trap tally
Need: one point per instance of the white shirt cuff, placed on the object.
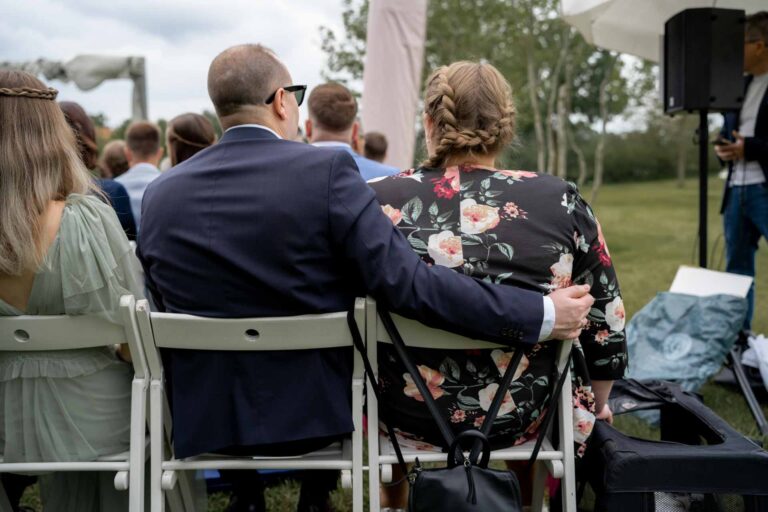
(548, 325)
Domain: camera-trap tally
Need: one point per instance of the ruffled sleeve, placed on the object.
(96, 262)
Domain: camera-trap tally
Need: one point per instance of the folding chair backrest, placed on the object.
(32, 333)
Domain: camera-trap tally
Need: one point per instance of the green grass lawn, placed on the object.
(651, 229)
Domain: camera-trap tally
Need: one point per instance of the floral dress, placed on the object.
(515, 228)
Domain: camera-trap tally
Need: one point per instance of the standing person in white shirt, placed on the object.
(743, 143)
(144, 152)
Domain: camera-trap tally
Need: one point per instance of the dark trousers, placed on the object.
(745, 221)
(316, 485)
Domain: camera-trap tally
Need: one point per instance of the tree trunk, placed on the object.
(562, 121)
(554, 82)
(533, 87)
(582, 179)
(600, 149)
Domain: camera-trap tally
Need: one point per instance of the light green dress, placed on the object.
(73, 405)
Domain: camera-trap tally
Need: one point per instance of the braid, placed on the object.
(487, 127)
(29, 92)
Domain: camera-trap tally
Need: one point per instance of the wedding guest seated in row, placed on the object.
(187, 135)
(143, 151)
(260, 225)
(375, 146)
(85, 135)
(515, 228)
(113, 162)
(331, 123)
(63, 252)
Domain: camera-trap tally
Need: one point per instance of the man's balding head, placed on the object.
(243, 76)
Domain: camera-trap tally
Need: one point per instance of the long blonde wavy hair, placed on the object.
(471, 107)
(39, 163)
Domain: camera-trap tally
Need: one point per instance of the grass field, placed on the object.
(651, 229)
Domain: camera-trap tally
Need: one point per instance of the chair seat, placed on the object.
(519, 452)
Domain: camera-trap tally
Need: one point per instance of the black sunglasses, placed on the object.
(300, 90)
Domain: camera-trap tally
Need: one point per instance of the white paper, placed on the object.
(703, 282)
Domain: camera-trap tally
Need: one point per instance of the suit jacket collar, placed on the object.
(248, 132)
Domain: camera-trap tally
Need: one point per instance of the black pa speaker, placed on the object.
(703, 60)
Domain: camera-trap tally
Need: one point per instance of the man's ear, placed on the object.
(355, 131)
(308, 129)
(278, 105)
(128, 154)
(159, 154)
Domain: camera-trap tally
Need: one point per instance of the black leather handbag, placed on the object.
(467, 484)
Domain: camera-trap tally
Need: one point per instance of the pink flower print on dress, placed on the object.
(561, 272)
(445, 249)
(502, 359)
(615, 315)
(394, 214)
(433, 379)
(486, 397)
(478, 218)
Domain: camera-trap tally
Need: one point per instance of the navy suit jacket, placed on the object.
(120, 201)
(755, 148)
(259, 226)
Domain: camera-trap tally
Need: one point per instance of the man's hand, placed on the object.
(571, 308)
(606, 414)
(733, 151)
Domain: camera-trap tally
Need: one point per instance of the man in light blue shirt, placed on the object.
(332, 123)
(143, 152)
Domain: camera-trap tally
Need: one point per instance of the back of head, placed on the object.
(756, 27)
(332, 107)
(188, 134)
(85, 132)
(472, 111)
(142, 138)
(375, 146)
(39, 163)
(113, 162)
(244, 76)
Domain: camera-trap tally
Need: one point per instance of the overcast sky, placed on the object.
(178, 38)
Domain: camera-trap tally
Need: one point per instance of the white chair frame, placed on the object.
(381, 456)
(306, 332)
(38, 333)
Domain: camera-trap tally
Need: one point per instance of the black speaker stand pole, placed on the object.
(734, 357)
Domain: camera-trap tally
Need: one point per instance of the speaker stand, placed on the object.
(734, 357)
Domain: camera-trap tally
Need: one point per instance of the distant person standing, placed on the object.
(113, 162)
(187, 135)
(331, 123)
(743, 143)
(375, 147)
(143, 152)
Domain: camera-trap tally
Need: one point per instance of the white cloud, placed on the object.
(178, 38)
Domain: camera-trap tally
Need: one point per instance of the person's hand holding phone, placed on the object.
(727, 150)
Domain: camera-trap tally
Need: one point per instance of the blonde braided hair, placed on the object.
(472, 110)
(29, 92)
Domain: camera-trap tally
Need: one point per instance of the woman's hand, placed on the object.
(605, 414)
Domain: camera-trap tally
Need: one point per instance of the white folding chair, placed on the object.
(306, 332)
(381, 455)
(38, 333)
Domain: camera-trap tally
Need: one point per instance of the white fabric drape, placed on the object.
(392, 74)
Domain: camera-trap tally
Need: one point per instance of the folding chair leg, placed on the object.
(357, 445)
(157, 446)
(138, 445)
(568, 482)
(539, 486)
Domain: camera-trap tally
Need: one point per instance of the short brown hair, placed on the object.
(188, 134)
(244, 75)
(375, 146)
(756, 27)
(143, 138)
(113, 162)
(332, 107)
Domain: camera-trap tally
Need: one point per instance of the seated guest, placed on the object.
(260, 225)
(63, 252)
(516, 228)
(375, 146)
(84, 131)
(143, 152)
(331, 123)
(113, 162)
(187, 135)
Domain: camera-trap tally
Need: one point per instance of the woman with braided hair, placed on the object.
(518, 228)
(62, 251)
(187, 135)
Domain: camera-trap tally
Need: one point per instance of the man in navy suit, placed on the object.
(259, 225)
(745, 199)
